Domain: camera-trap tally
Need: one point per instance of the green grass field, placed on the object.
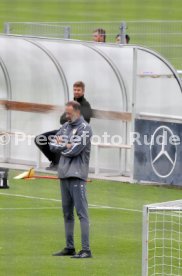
(32, 228)
(85, 10)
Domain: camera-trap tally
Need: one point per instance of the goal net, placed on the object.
(162, 239)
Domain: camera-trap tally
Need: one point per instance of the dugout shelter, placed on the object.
(134, 92)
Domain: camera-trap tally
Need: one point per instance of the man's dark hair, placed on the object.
(76, 106)
(127, 37)
(79, 84)
(101, 32)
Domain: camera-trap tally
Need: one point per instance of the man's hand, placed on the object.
(69, 146)
(58, 139)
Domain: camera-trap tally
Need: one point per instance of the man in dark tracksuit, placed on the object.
(85, 108)
(73, 143)
(78, 91)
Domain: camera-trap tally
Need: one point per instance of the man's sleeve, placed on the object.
(86, 112)
(57, 148)
(79, 144)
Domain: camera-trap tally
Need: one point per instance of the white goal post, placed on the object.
(162, 239)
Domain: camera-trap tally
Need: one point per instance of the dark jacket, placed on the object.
(74, 162)
(86, 110)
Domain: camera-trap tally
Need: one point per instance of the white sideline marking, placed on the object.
(31, 197)
(58, 200)
(29, 208)
(114, 208)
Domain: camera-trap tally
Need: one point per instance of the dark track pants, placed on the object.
(44, 146)
(73, 191)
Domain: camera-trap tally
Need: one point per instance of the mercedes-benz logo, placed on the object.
(163, 154)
